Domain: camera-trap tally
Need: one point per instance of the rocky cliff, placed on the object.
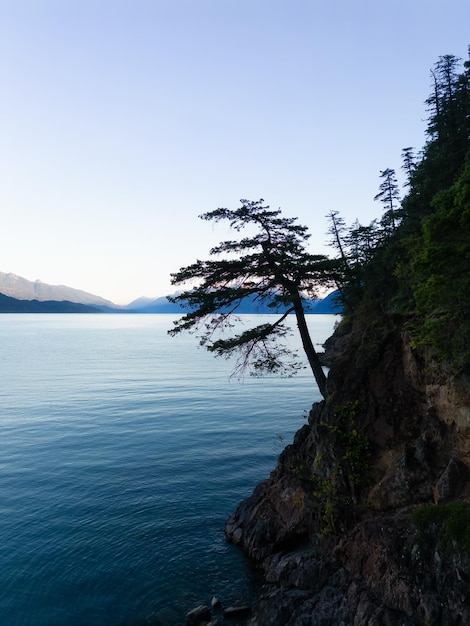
(366, 518)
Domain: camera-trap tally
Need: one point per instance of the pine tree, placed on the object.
(409, 164)
(272, 266)
(389, 196)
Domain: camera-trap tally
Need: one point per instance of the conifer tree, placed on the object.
(388, 195)
(409, 164)
(271, 266)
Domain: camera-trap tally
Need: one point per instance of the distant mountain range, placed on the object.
(329, 304)
(23, 289)
(19, 295)
(13, 305)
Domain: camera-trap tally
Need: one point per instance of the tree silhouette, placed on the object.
(273, 267)
(388, 195)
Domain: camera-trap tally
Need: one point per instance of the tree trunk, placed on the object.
(296, 300)
(307, 344)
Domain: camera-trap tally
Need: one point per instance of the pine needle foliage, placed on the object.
(271, 266)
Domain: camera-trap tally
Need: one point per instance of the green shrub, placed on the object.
(448, 522)
(356, 455)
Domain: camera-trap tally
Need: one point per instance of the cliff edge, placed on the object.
(366, 518)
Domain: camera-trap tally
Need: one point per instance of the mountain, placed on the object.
(154, 305)
(13, 305)
(22, 289)
(328, 305)
(20, 295)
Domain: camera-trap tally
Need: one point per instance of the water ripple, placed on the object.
(122, 453)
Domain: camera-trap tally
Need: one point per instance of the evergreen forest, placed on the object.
(411, 267)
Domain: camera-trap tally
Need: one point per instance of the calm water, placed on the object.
(122, 453)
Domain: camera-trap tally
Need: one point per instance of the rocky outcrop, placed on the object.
(335, 527)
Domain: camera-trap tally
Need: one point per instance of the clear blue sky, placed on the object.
(122, 120)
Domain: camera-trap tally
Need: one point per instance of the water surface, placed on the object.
(122, 453)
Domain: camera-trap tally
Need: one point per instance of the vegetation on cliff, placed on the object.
(413, 264)
(401, 355)
(365, 518)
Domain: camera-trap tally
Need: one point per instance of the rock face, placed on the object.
(335, 526)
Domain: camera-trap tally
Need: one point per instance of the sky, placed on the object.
(121, 121)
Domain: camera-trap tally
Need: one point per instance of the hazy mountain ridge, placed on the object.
(22, 289)
(14, 305)
(249, 305)
(19, 295)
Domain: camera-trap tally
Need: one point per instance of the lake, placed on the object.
(123, 451)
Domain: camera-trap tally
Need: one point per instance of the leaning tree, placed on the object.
(270, 266)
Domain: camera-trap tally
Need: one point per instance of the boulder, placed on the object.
(199, 616)
(237, 612)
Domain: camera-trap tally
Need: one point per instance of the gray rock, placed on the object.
(199, 616)
(451, 481)
(237, 612)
